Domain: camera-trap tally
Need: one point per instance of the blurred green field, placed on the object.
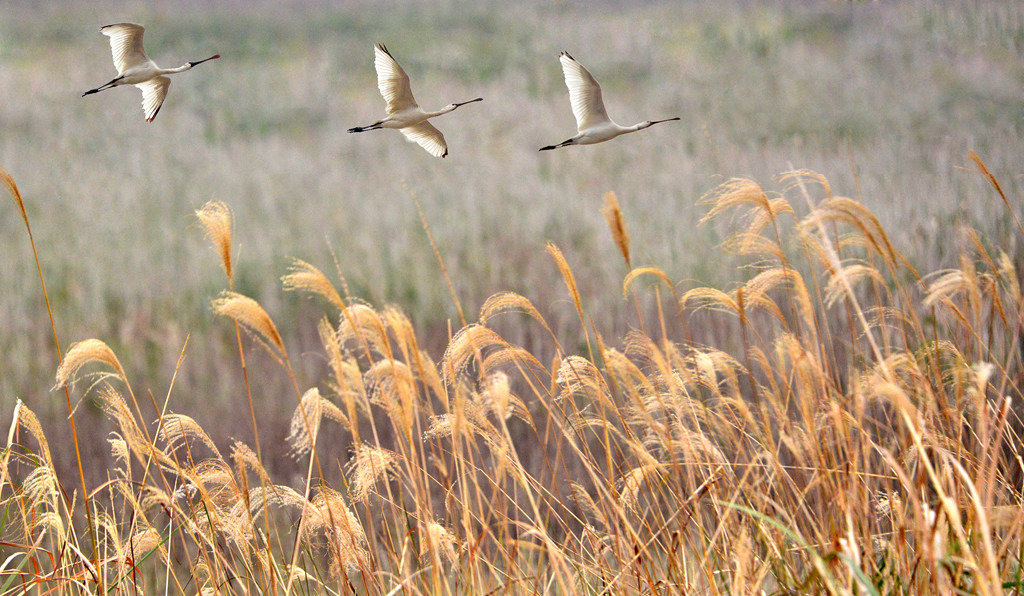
(884, 99)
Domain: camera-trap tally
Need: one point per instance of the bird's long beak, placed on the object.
(665, 120)
(470, 101)
(214, 57)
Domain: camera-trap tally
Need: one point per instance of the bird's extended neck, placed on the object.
(452, 107)
(187, 66)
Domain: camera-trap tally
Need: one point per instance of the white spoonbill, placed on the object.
(135, 68)
(403, 111)
(591, 118)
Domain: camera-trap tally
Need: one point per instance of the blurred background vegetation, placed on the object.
(886, 99)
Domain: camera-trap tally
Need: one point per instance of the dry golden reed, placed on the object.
(305, 423)
(248, 313)
(616, 224)
(367, 467)
(304, 277)
(177, 429)
(217, 220)
(85, 352)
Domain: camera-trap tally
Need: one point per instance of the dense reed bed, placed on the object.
(857, 431)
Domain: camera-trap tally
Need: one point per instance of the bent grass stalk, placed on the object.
(12, 189)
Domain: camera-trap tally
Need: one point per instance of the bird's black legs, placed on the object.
(109, 85)
(375, 126)
(562, 144)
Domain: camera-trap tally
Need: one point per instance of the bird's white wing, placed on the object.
(427, 137)
(584, 94)
(153, 93)
(126, 45)
(392, 81)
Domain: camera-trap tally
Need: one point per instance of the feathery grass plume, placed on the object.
(217, 219)
(995, 184)
(402, 331)
(347, 380)
(429, 374)
(142, 545)
(82, 353)
(639, 271)
(245, 457)
(51, 522)
(120, 454)
(853, 274)
(496, 394)
(497, 397)
(41, 486)
(467, 345)
(27, 419)
(328, 512)
(516, 356)
(362, 324)
(755, 293)
(114, 406)
(949, 284)
(587, 505)
(261, 499)
(737, 192)
(578, 377)
(176, 429)
(474, 422)
(617, 225)
(633, 482)
(709, 299)
(304, 277)
(248, 313)
(852, 213)
(501, 302)
(580, 422)
(305, 424)
(1008, 273)
(392, 386)
(217, 483)
(12, 189)
(442, 541)
(567, 276)
(368, 466)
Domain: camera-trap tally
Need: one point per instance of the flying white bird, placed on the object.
(135, 68)
(591, 118)
(403, 111)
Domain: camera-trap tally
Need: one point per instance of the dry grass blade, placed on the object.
(217, 219)
(84, 352)
(613, 215)
(248, 313)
